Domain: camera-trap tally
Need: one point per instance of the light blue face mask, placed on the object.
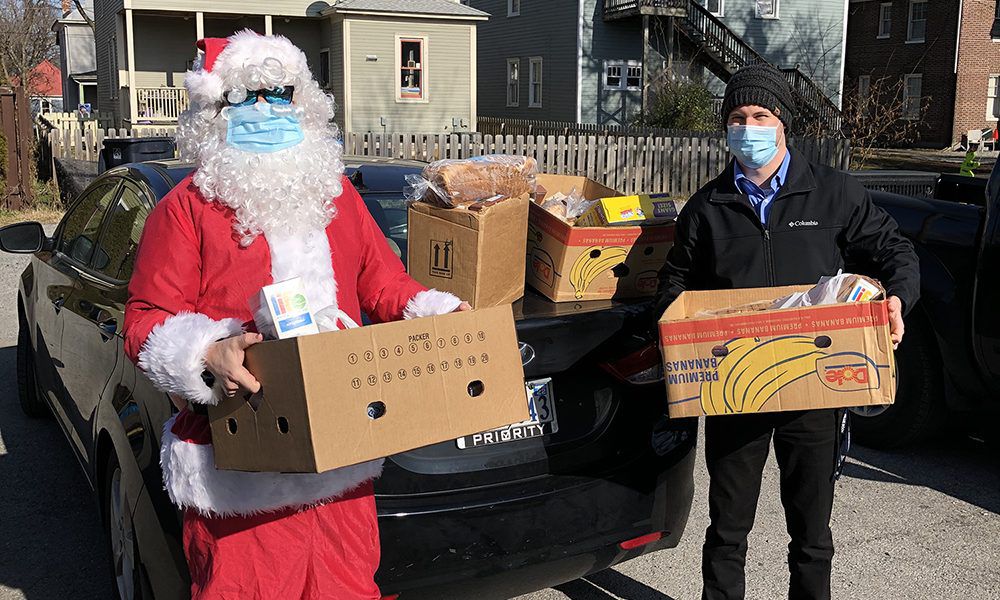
(752, 145)
(262, 129)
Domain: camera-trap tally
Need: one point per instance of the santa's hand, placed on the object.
(463, 306)
(224, 360)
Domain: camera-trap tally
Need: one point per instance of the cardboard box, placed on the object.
(281, 310)
(343, 397)
(472, 254)
(830, 356)
(649, 209)
(567, 263)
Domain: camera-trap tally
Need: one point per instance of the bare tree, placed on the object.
(884, 117)
(26, 39)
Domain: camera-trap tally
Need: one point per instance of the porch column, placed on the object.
(199, 25)
(130, 55)
(267, 24)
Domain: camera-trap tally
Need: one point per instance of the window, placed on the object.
(715, 7)
(622, 75)
(864, 95)
(912, 96)
(412, 69)
(766, 9)
(513, 8)
(80, 226)
(884, 20)
(115, 253)
(917, 25)
(535, 82)
(513, 81)
(993, 98)
(324, 68)
(113, 66)
(995, 31)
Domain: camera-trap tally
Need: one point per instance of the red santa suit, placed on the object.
(260, 535)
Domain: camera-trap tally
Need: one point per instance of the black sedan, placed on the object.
(599, 476)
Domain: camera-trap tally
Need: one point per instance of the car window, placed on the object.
(115, 253)
(80, 226)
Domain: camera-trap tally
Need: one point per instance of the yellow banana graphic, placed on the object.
(751, 372)
(592, 262)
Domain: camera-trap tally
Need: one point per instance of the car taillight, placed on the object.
(642, 540)
(641, 367)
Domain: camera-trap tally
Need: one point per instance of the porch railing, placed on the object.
(616, 9)
(160, 104)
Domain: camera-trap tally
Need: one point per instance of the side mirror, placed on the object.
(22, 238)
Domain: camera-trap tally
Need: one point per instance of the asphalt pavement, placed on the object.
(923, 523)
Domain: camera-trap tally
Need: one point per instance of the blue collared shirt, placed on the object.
(760, 199)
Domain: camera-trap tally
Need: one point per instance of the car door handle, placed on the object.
(108, 329)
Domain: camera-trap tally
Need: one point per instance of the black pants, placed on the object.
(736, 447)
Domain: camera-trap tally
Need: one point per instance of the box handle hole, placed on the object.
(376, 410)
(595, 253)
(476, 388)
(823, 341)
(231, 425)
(620, 270)
(720, 351)
(282, 424)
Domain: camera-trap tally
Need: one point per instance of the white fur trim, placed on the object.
(203, 87)
(307, 256)
(430, 303)
(173, 356)
(192, 481)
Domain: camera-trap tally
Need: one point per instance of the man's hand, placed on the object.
(463, 306)
(225, 360)
(895, 320)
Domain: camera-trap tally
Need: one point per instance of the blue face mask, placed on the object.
(752, 145)
(259, 128)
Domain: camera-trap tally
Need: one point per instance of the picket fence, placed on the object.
(673, 165)
(629, 164)
(86, 144)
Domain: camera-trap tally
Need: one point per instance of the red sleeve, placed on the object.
(384, 288)
(166, 276)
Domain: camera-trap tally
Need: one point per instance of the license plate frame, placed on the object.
(541, 421)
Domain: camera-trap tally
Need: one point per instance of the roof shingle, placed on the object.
(431, 7)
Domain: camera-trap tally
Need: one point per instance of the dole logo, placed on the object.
(848, 372)
(287, 302)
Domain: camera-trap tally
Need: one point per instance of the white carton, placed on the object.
(281, 310)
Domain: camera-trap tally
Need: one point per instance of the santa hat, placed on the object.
(225, 63)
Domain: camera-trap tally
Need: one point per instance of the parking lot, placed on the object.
(921, 523)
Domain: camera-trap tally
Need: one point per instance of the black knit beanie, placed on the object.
(759, 84)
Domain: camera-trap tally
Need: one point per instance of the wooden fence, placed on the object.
(674, 165)
(629, 164)
(505, 126)
(86, 144)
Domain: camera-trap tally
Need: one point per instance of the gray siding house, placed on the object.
(77, 56)
(595, 61)
(391, 65)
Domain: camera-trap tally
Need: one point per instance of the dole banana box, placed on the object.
(829, 356)
(566, 263)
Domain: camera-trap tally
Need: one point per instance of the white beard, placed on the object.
(288, 192)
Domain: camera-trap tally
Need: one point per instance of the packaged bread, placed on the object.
(451, 183)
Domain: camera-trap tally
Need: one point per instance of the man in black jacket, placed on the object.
(773, 218)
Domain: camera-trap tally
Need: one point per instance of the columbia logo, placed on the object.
(803, 223)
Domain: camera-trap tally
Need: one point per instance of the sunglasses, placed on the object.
(279, 95)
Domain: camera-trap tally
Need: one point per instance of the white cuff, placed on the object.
(173, 356)
(429, 303)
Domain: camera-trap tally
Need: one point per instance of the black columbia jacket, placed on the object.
(822, 220)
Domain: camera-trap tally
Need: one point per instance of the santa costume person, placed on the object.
(266, 202)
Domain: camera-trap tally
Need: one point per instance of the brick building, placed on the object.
(978, 67)
(944, 55)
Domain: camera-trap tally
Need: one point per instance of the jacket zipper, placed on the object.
(768, 257)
